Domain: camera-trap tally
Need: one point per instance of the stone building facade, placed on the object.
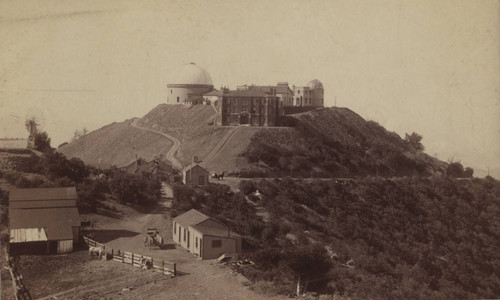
(249, 107)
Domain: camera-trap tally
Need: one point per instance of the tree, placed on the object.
(455, 169)
(42, 141)
(414, 141)
(468, 172)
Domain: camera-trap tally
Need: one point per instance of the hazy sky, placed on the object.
(432, 67)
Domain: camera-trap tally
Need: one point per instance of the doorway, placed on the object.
(244, 118)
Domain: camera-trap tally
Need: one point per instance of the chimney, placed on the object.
(195, 159)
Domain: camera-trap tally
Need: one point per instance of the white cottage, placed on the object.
(203, 236)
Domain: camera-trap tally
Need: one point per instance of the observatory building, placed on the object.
(189, 86)
(310, 95)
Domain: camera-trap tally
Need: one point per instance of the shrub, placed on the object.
(134, 188)
(455, 169)
(247, 187)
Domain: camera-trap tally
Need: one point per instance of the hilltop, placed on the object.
(319, 143)
(115, 144)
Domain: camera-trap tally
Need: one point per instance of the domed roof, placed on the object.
(193, 74)
(315, 84)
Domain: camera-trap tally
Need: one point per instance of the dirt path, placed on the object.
(219, 146)
(170, 155)
(198, 279)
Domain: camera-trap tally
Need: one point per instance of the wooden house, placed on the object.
(194, 174)
(43, 220)
(203, 236)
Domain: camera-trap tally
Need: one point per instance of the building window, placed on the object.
(177, 99)
(196, 242)
(175, 228)
(171, 91)
(216, 243)
(185, 235)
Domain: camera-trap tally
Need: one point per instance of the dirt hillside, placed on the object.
(116, 144)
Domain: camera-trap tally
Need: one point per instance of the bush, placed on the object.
(42, 141)
(468, 172)
(134, 188)
(247, 187)
(89, 195)
(455, 169)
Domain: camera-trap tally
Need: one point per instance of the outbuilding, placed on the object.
(203, 236)
(194, 174)
(43, 220)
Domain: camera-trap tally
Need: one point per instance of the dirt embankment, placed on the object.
(116, 144)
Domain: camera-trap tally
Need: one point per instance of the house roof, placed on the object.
(283, 90)
(221, 231)
(191, 217)
(248, 93)
(214, 93)
(191, 166)
(33, 194)
(58, 222)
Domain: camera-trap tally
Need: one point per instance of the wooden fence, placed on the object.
(160, 266)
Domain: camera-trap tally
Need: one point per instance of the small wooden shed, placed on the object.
(194, 174)
(43, 220)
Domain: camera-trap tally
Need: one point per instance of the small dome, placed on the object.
(193, 74)
(315, 84)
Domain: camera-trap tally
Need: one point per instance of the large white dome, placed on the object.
(193, 74)
(315, 84)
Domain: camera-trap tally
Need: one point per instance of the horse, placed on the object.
(96, 251)
(218, 176)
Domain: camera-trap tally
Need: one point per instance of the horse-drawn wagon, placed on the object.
(153, 238)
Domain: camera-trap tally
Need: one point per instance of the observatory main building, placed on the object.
(252, 105)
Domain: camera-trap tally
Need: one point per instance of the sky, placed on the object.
(425, 66)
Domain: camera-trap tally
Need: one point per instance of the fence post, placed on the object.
(175, 269)
(162, 266)
(123, 256)
(132, 258)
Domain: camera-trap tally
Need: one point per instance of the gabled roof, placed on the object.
(191, 217)
(33, 194)
(214, 228)
(191, 166)
(58, 222)
(248, 93)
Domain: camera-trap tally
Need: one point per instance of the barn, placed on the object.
(194, 174)
(43, 220)
(203, 236)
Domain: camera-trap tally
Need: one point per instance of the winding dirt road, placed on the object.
(170, 155)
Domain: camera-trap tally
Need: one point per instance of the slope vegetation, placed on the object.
(337, 142)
